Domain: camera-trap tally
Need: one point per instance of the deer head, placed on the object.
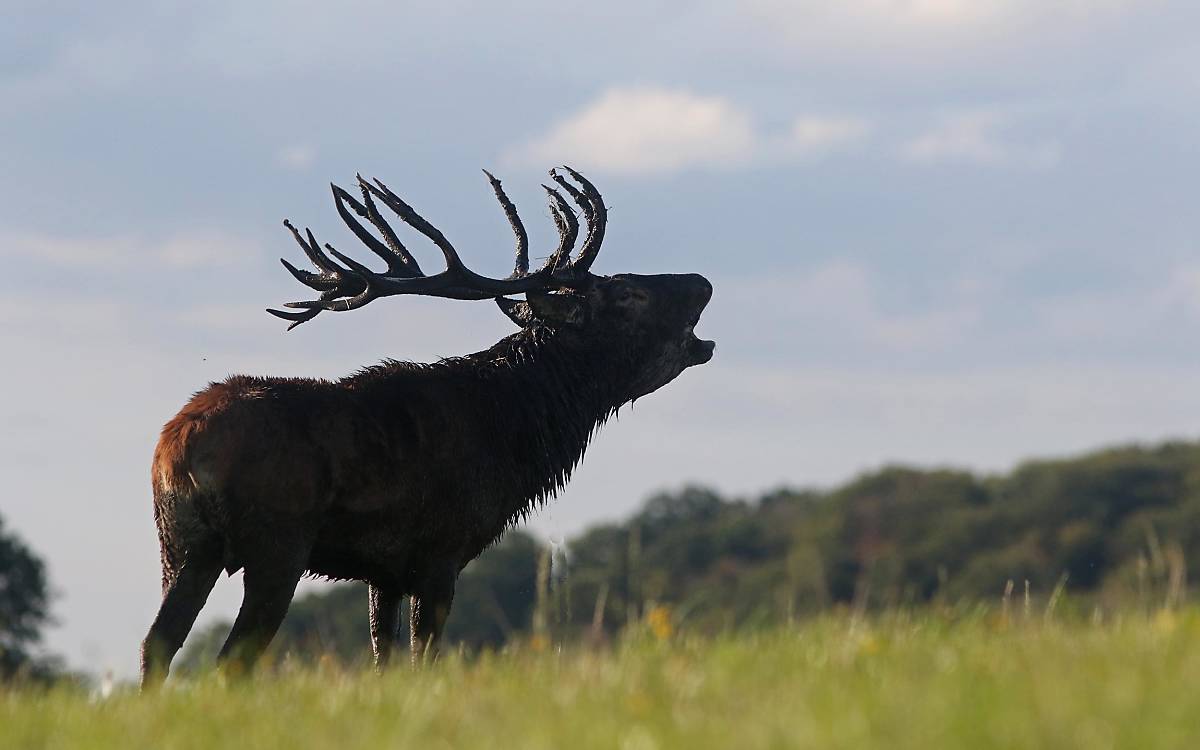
(643, 323)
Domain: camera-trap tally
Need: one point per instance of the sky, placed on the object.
(940, 232)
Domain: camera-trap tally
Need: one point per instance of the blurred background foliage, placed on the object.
(1118, 528)
(24, 611)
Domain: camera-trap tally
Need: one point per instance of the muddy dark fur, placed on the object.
(401, 474)
(398, 475)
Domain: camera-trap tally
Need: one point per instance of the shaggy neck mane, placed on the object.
(553, 397)
(533, 401)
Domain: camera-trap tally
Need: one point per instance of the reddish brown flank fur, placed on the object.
(170, 470)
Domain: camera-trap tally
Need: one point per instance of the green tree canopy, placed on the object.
(24, 605)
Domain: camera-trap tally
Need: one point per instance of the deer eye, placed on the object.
(625, 296)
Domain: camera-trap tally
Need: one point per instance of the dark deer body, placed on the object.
(403, 473)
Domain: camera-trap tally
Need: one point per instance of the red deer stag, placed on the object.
(401, 474)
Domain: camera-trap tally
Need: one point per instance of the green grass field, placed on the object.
(924, 680)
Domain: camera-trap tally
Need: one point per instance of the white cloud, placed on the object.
(842, 300)
(184, 249)
(1163, 309)
(204, 248)
(897, 46)
(961, 13)
(933, 16)
(296, 157)
(86, 65)
(646, 130)
(811, 135)
(1182, 290)
(974, 138)
(89, 318)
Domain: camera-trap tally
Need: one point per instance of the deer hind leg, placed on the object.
(429, 609)
(268, 592)
(384, 612)
(184, 593)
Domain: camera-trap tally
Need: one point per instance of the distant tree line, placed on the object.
(24, 611)
(1119, 527)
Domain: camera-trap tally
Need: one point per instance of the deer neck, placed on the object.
(549, 392)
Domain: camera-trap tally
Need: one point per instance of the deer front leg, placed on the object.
(429, 609)
(384, 611)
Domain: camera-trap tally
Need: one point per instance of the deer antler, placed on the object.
(351, 285)
(594, 211)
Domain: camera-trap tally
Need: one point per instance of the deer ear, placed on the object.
(518, 312)
(557, 309)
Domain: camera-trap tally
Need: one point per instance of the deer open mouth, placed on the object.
(698, 350)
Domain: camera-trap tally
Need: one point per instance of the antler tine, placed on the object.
(391, 250)
(416, 221)
(344, 303)
(568, 229)
(521, 266)
(311, 309)
(333, 281)
(295, 318)
(357, 268)
(313, 251)
(309, 279)
(576, 195)
(349, 297)
(597, 220)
